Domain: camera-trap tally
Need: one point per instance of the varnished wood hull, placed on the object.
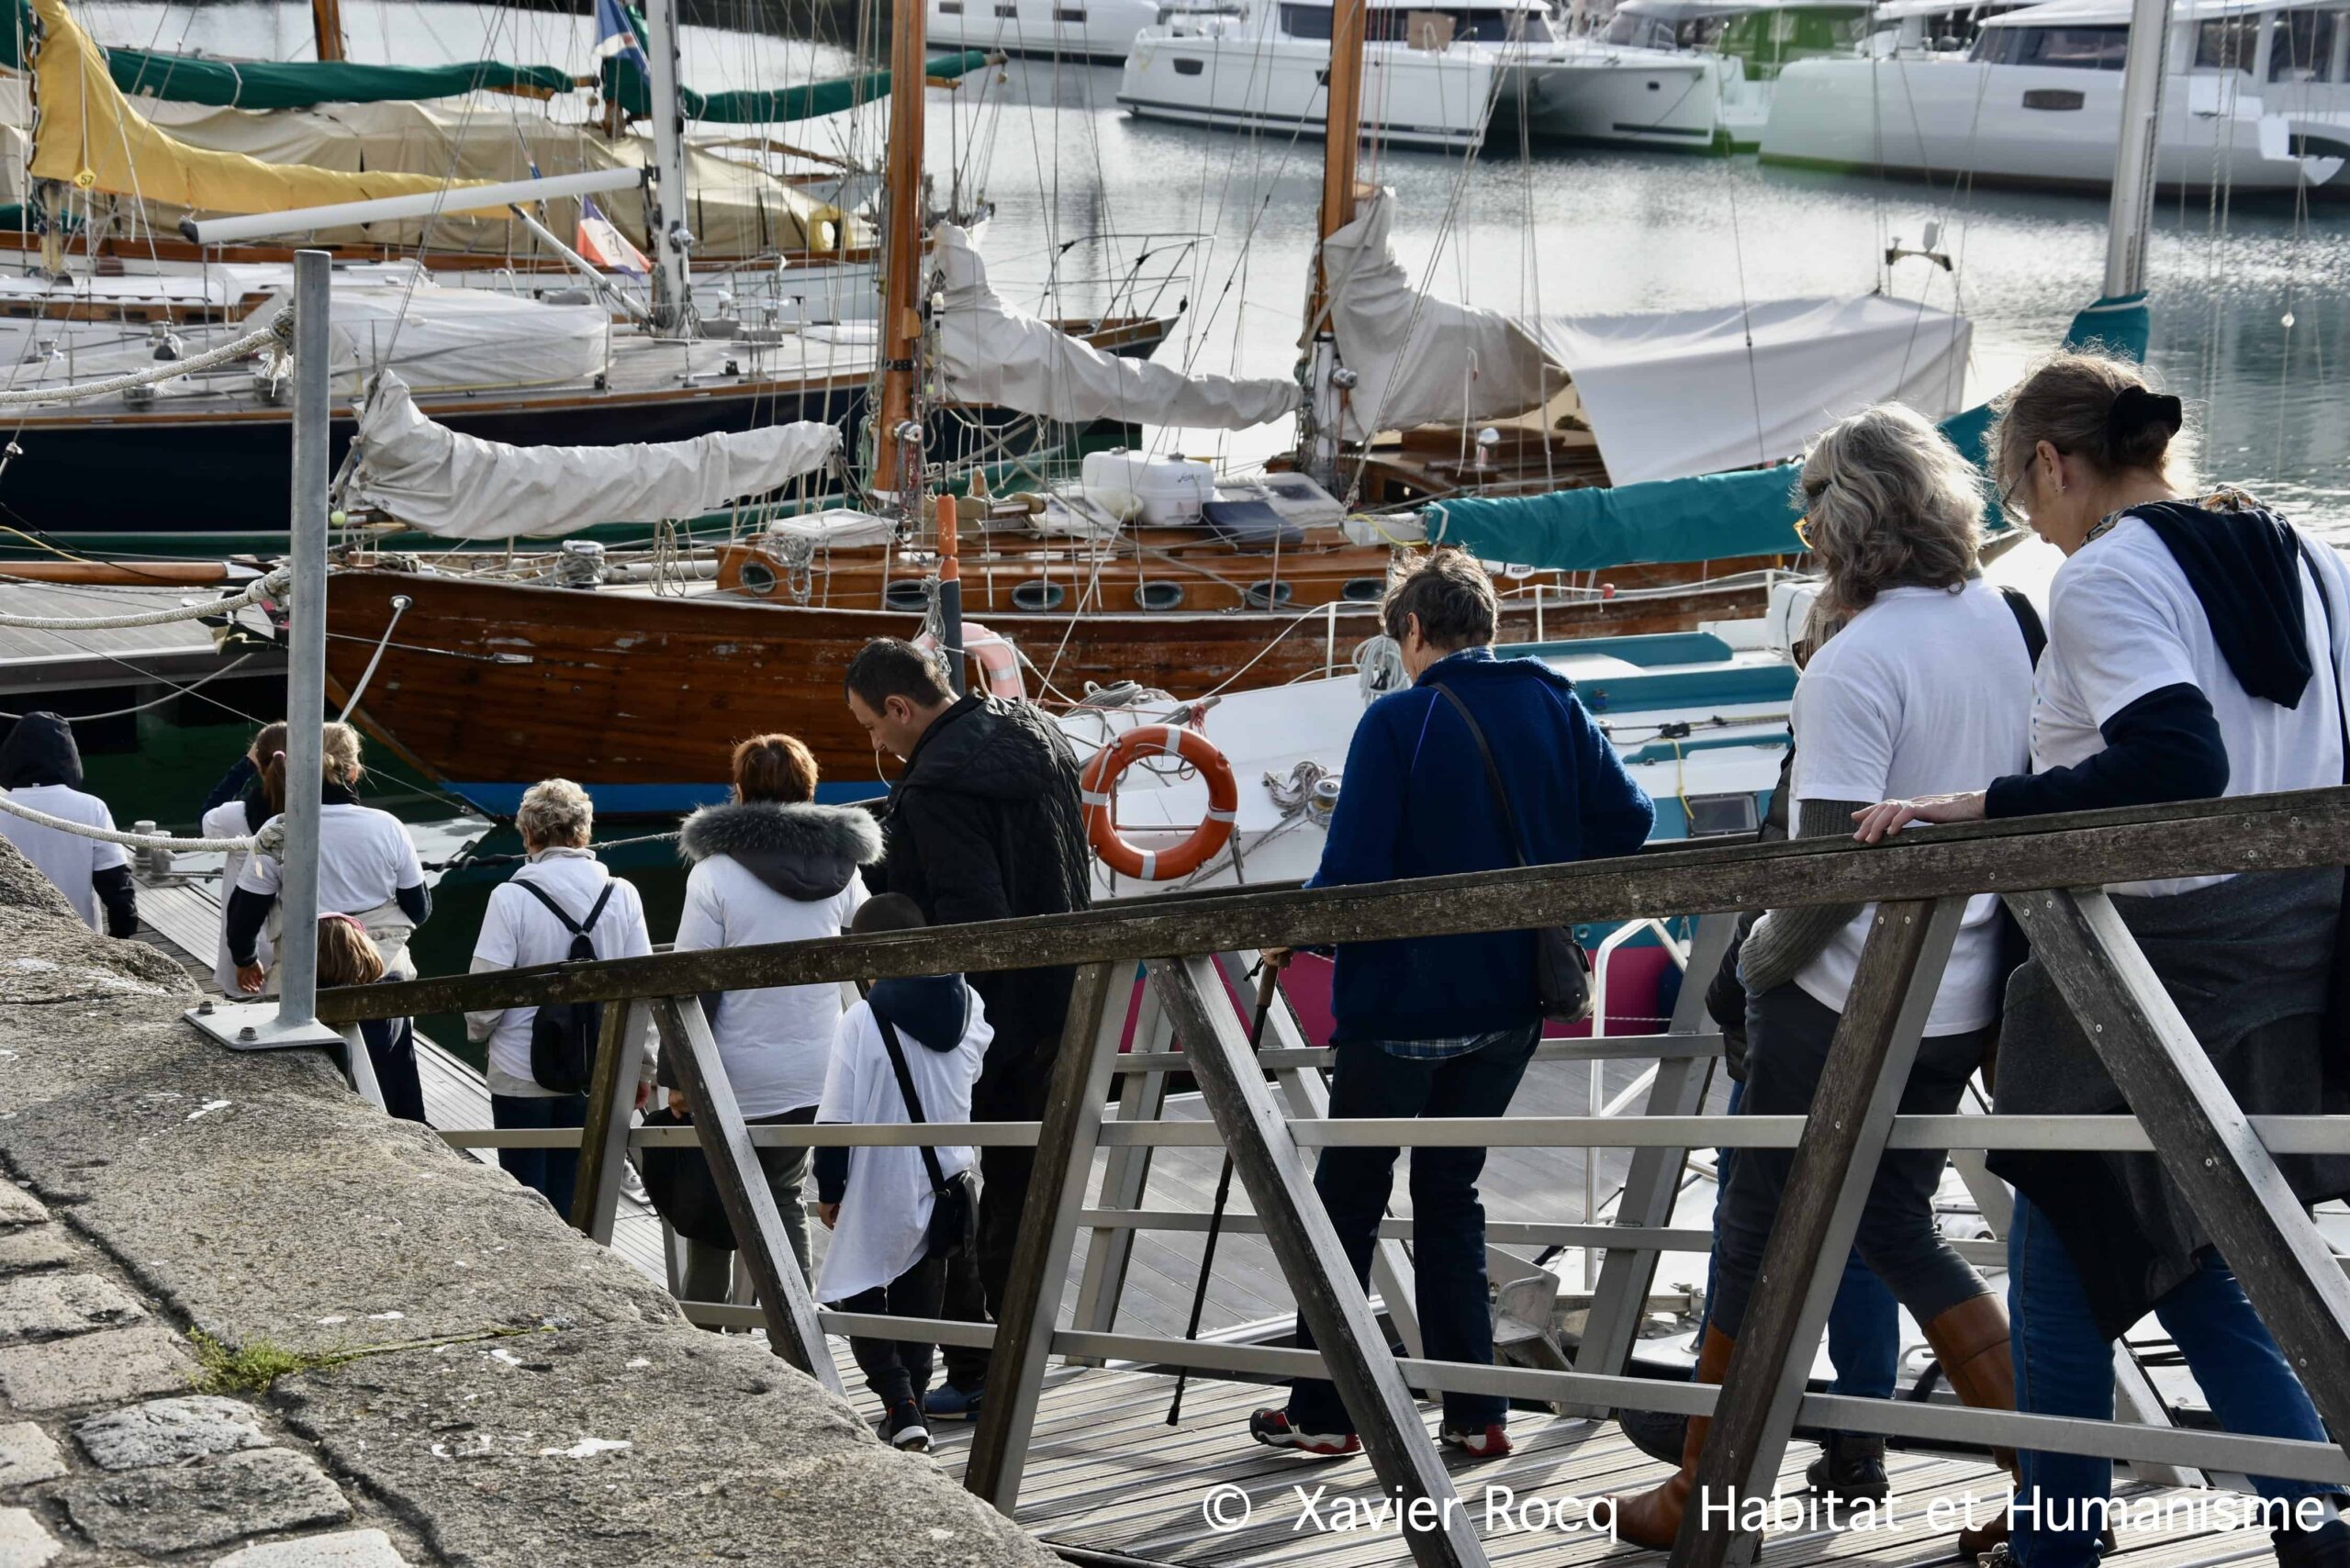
(488, 686)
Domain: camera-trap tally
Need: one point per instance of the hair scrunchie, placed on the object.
(2137, 409)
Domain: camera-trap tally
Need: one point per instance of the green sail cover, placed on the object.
(1711, 516)
(624, 83)
(270, 84)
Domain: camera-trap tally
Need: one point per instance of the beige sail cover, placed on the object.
(87, 135)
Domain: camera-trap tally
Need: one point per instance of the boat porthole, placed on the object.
(1038, 595)
(759, 577)
(1656, 87)
(1190, 67)
(1159, 595)
(1266, 595)
(905, 595)
(1364, 590)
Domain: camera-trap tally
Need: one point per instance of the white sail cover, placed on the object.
(461, 487)
(989, 353)
(1668, 393)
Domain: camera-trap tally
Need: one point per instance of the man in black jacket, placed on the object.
(984, 823)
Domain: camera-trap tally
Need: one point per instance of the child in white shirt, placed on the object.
(877, 1202)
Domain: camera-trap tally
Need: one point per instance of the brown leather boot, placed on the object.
(1971, 1342)
(1653, 1517)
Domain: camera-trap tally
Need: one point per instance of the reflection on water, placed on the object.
(1097, 210)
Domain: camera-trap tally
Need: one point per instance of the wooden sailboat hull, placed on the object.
(486, 686)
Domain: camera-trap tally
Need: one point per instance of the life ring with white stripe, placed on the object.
(1099, 792)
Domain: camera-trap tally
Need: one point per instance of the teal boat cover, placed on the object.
(1712, 516)
(625, 85)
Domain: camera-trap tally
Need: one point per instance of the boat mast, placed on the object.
(672, 280)
(1326, 381)
(897, 438)
(2133, 170)
(326, 21)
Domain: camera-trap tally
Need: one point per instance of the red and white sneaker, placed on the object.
(1275, 1430)
(1490, 1443)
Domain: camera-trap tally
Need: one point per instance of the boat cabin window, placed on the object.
(1391, 24)
(2228, 44)
(2308, 47)
(1631, 29)
(2081, 48)
(1071, 14)
(1307, 21)
(1767, 40)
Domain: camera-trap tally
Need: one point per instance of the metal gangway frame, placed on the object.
(2050, 871)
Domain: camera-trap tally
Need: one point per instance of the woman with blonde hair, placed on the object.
(2194, 648)
(1927, 686)
(367, 869)
(241, 815)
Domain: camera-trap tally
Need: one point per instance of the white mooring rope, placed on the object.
(273, 586)
(80, 391)
(127, 840)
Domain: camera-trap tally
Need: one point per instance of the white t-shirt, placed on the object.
(1926, 691)
(2123, 621)
(518, 930)
(776, 1043)
(228, 820)
(365, 857)
(886, 1211)
(65, 859)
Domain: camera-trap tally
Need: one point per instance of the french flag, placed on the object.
(604, 245)
(618, 34)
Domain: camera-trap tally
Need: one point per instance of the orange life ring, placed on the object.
(1099, 789)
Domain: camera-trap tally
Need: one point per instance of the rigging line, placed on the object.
(1746, 318)
(172, 696)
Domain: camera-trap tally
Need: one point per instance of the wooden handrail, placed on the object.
(2249, 833)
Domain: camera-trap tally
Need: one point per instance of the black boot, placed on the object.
(1654, 1433)
(1850, 1466)
(2328, 1546)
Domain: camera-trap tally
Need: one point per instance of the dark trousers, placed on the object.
(1447, 1221)
(1787, 1038)
(1014, 1091)
(898, 1369)
(391, 1050)
(550, 1171)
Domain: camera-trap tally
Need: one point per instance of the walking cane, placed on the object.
(1267, 983)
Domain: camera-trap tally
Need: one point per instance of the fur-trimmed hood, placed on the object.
(803, 851)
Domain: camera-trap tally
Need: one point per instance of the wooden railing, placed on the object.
(1270, 1111)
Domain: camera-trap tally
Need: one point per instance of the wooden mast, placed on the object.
(1341, 139)
(326, 21)
(897, 444)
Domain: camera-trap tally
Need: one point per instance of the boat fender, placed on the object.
(999, 660)
(1098, 787)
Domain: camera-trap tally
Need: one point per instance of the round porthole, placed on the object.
(1038, 595)
(905, 595)
(1159, 595)
(759, 577)
(1266, 595)
(1364, 590)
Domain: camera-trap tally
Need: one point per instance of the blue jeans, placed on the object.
(1447, 1221)
(2064, 1367)
(548, 1170)
(1864, 1324)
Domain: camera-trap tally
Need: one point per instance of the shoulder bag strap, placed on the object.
(2341, 716)
(2028, 622)
(547, 899)
(913, 1100)
(1493, 769)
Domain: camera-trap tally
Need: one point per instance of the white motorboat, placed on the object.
(1095, 30)
(2257, 98)
(1431, 78)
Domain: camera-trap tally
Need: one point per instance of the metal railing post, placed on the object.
(305, 676)
(1142, 1097)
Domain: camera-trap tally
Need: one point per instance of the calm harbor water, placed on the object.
(1093, 209)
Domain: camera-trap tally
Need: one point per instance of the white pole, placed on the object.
(450, 200)
(672, 300)
(2133, 169)
(306, 683)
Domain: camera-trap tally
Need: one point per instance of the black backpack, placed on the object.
(562, 1035)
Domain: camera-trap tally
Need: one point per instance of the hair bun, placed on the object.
(2136, 412)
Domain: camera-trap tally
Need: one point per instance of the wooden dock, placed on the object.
(175, 654)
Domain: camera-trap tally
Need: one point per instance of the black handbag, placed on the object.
(955, 1200)
(681, 1188)
(1562, 968)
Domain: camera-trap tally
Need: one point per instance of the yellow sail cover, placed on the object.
(84, 134)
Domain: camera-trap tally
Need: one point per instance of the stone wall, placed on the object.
(247, 1320)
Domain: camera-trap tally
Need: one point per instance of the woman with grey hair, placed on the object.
(2196, 647)
(1930, 680)
(531, 919)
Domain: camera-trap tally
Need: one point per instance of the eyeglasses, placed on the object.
(2008, 497)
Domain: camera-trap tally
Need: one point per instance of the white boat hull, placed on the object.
(1632, 96)
(1098, 30)
(1426, 99)
(2038, 125)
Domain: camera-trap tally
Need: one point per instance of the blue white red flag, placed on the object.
(602, 243)
(618, 34)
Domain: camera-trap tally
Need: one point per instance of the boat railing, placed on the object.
(1267, 1108)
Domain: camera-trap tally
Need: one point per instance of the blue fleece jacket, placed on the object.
(1415, 802)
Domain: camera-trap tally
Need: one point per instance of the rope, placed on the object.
(128, 840)
(279, 331)
(173, 695)
(271, 586)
